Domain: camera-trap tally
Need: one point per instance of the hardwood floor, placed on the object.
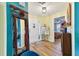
(46, 48)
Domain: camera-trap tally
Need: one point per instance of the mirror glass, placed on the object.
(20, 32)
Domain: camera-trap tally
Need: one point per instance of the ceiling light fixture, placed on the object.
(42, 3)
(43, 8)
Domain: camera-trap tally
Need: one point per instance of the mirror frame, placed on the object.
(15, 29)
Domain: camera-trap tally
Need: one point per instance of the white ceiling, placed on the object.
(35, 8)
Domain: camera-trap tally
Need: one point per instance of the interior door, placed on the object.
(34, 31)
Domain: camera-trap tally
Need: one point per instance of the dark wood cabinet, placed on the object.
(66, 44)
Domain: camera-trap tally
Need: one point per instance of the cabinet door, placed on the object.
(66, 44)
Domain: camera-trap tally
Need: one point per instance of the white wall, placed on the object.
(51, 30)
(2, 30)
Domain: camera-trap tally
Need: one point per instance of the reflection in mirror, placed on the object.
(20, 33)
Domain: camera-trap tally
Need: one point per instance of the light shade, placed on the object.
(44, 10)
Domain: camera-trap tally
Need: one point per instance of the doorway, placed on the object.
(62, 33)
(58, 30)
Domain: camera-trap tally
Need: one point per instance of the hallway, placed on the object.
(36, 25)
(46, 48)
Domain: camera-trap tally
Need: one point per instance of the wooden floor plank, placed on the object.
(46, 48)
